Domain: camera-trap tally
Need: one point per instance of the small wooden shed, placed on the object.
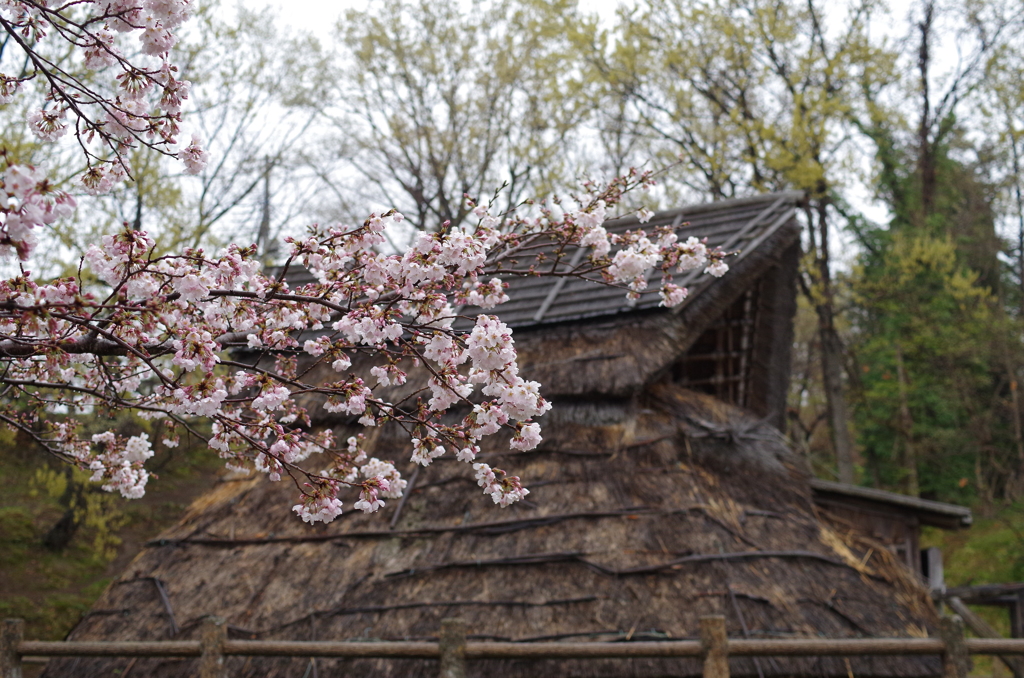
(664, 491)
(893, 520)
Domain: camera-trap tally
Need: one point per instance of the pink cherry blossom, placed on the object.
(158, 333)
(717, 269)
(672, 295)
(48, 125)
(194, 156)
(527, 437)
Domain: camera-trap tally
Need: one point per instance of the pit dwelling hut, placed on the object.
(663, 491)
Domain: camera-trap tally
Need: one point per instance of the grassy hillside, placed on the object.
(991, 551)
(62, 539)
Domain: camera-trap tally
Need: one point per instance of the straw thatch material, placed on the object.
(644, 515)
(651, 505)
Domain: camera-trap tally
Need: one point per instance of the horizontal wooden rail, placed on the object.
(739, 647)
(640, 649)
(713, 649)
(811, 647)
(302, 648)
(995, 645)
(120, 648)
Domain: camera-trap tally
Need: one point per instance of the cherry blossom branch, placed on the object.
(159, 335)
(396, 307)
(144, 99)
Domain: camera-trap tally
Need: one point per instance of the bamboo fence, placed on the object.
(453, 650)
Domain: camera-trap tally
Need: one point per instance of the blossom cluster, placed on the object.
(189, 335)
(504, 490)
(212, 335)
(134, 98)
(640, 254)
(114, 460)
(28, 200)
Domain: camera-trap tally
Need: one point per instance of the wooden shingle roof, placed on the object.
(739, 225)
(935, 513)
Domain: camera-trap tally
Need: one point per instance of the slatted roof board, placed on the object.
(734, 225)
(739, 225)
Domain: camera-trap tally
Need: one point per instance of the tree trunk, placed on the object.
(909, 460)
(1015, 155)
(926, 149)
(831, 346)
(835, 396)
(264, 246)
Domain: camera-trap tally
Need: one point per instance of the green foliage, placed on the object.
(17, 534)
(50, 588)
(928, 350)
(424, 125)
(52, 617)
(97, 513)
(990, 552)
(935, 350)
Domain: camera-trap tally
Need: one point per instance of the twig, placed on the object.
(405, 497)
(166, 600)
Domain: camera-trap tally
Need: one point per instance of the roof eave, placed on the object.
(934, 513)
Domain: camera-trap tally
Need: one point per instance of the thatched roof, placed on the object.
(651, 505)
(675, 506)
(580, 338)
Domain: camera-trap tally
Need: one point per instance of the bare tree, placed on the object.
(754, 95)
(434, 103)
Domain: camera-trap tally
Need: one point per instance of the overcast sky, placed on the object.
(320, 17)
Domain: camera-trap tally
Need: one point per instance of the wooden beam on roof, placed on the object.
(723, 205)
(775, 225)
(577, 257)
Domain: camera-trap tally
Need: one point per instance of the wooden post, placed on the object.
(981, 629)
(714, 647)
(1017, 616)
(932, 570)
(955, 660)
(453, 648)
(11, 635)
(212, 635)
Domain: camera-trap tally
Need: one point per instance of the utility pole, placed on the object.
(265, 250)
(137, 226)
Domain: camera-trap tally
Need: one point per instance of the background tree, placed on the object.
(928, 410)
(418, 126)
(254, 99)
(933, 341)
(754, 96)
